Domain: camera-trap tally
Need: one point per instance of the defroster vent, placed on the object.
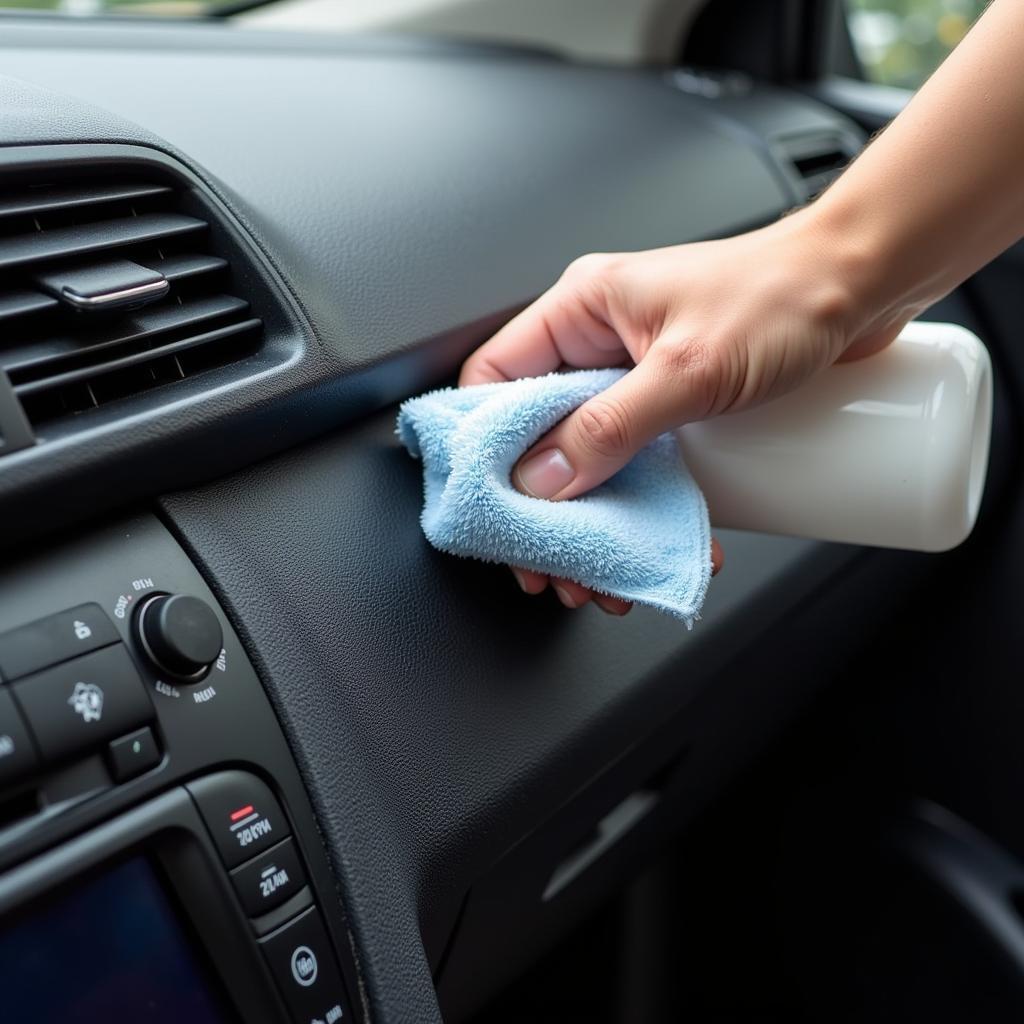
(109, 288)
(813, 160)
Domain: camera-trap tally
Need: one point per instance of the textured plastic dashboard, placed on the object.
(410, 196)
(405, 193)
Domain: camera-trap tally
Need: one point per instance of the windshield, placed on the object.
(158, 8)
(629, 32)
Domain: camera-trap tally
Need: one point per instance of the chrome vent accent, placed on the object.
(109, 288)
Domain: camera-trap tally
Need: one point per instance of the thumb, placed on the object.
(602, 435)
(871, 344)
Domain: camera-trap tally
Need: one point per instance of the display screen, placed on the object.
(109, 948)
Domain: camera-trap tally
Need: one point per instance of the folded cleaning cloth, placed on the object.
(642, 536)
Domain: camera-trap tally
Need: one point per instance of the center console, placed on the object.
(159, 859)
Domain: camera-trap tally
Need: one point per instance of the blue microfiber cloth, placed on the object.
(642, 536)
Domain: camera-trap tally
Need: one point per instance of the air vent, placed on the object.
(816, 160)
(110, 288)
(815, 164)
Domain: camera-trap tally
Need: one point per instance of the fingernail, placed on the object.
(545, 474)
(564, 596)
(520, 580)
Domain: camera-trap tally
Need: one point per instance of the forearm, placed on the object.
(941, 191)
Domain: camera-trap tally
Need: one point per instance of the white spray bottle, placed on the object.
(890, 451)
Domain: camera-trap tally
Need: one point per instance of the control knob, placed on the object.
(181, 635)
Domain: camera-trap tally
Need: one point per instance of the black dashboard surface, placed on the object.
(410, 197)
(404, 194)
(438, 716)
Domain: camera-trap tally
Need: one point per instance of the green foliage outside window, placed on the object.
(901, 42)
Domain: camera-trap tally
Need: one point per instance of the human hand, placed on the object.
(709, 328)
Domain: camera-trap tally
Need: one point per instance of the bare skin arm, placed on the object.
(714, 327)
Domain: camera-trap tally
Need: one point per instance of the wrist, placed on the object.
(859, 245)
(828, 272)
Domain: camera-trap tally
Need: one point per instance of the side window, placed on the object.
(901, 42)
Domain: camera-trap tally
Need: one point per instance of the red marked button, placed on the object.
(243, 816)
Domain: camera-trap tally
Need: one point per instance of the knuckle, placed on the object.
(700, 370)
(602, 427)
(592, 265)
(686, 358)
(478, 369)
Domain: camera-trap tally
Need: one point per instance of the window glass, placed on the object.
(87, 8)
(901, 42)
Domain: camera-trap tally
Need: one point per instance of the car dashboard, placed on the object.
(450, 776)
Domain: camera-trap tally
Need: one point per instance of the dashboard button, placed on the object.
(241, 813)
(133, 754)
(17, 756)
(55, 639)
(269, 879)
(83, 702)
(302, 962)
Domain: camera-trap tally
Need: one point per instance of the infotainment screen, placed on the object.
(110, 948)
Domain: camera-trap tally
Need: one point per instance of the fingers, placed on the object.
(566, 325)
(573, 595)
(871, 344)
(600, 437)
(524, 347)
(612, 605)
(530, 582)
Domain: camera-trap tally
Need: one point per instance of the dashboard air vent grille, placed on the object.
(814, 164)
(109, 288)
(814, 160)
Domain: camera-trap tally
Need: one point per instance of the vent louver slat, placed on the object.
(83, 239)
(54, 350)
(21, 301)
(173, 349)
(177, 268)
(46, 200)
(66, 353)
